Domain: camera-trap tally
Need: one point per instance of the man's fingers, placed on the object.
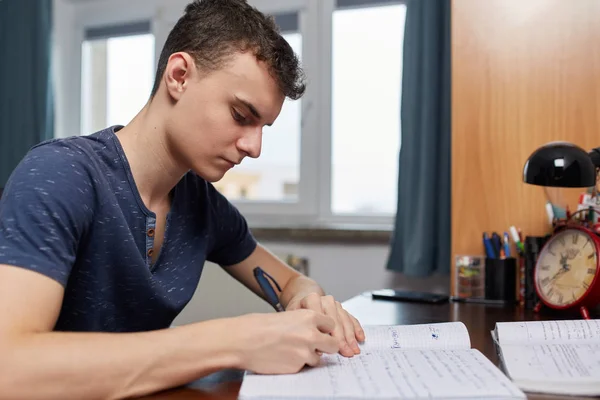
(326, 344)
(332, 319)
(312, 302)
(348, 329)
(325, 323)
(313, 360)
(331, 308)
(358, 330)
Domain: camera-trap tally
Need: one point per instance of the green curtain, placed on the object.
(26, 106)
(421, 239)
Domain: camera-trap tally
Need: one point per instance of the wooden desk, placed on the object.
(479, 319)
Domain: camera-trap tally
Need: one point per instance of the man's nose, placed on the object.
(251, 142)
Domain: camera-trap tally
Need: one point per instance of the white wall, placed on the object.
(343, 270)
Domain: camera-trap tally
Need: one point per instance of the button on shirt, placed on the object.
(71, 211)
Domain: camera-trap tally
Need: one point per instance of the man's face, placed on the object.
(217, 118)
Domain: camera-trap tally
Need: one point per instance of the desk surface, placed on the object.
(479, 319)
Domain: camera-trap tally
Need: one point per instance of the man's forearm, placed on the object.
(299, 287)
(66, 365)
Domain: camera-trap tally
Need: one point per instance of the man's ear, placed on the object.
(178, 73)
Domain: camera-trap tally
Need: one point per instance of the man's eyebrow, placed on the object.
(252, 109)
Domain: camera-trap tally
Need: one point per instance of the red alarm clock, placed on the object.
(566, 271)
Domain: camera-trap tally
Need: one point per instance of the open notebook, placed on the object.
(560, 357)
(396, 362)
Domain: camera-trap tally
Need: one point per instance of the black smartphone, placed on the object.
(403, 295)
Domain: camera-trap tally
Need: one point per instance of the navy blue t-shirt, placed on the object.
(71, 211)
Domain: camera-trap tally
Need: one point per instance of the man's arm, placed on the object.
(38, 363)
(300, 292)
(281, 272)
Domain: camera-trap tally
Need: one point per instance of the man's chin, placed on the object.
(210, 176)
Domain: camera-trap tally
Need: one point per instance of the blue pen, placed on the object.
(497, 243)
(263, 281)
(489, 249)
(506, 245)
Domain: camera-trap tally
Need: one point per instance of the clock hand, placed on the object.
(563, 259)
(558, 274)
(563, 262)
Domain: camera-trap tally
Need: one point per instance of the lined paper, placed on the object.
(408, 374)
(431, 336)
(571, 362)
(548, 331)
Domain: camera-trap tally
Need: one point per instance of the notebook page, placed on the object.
(410, 374)
(585, 331)
(569, 362)
(439, 335)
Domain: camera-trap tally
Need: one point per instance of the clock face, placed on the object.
(566, 267)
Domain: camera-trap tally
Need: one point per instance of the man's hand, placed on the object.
(300, 292)
(347, 330)
(282, 343)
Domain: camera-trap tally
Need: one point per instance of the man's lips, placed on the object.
(231, 163)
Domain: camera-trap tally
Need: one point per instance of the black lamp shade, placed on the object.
(560, 164)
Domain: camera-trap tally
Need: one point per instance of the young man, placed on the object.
(103, 237)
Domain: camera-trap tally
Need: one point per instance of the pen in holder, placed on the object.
(500, 279)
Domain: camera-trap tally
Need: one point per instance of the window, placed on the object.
(275, 175)
(366, 76)
(331, 158)
(117, 73)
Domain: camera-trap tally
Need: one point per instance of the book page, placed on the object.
(411, 374)
(553, 363)
(581, 331)
(433, 336)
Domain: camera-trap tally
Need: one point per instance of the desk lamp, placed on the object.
(566, 272)
(562, 164)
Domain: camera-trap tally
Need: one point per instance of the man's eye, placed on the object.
(238, 117)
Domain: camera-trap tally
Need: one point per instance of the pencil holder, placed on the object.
(501, 279)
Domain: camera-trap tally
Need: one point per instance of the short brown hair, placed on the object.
(212, 30)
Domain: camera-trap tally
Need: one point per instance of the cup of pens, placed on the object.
(501, 266)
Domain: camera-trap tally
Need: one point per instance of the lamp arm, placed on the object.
(595, 156)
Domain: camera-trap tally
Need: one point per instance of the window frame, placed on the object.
(313, 206)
